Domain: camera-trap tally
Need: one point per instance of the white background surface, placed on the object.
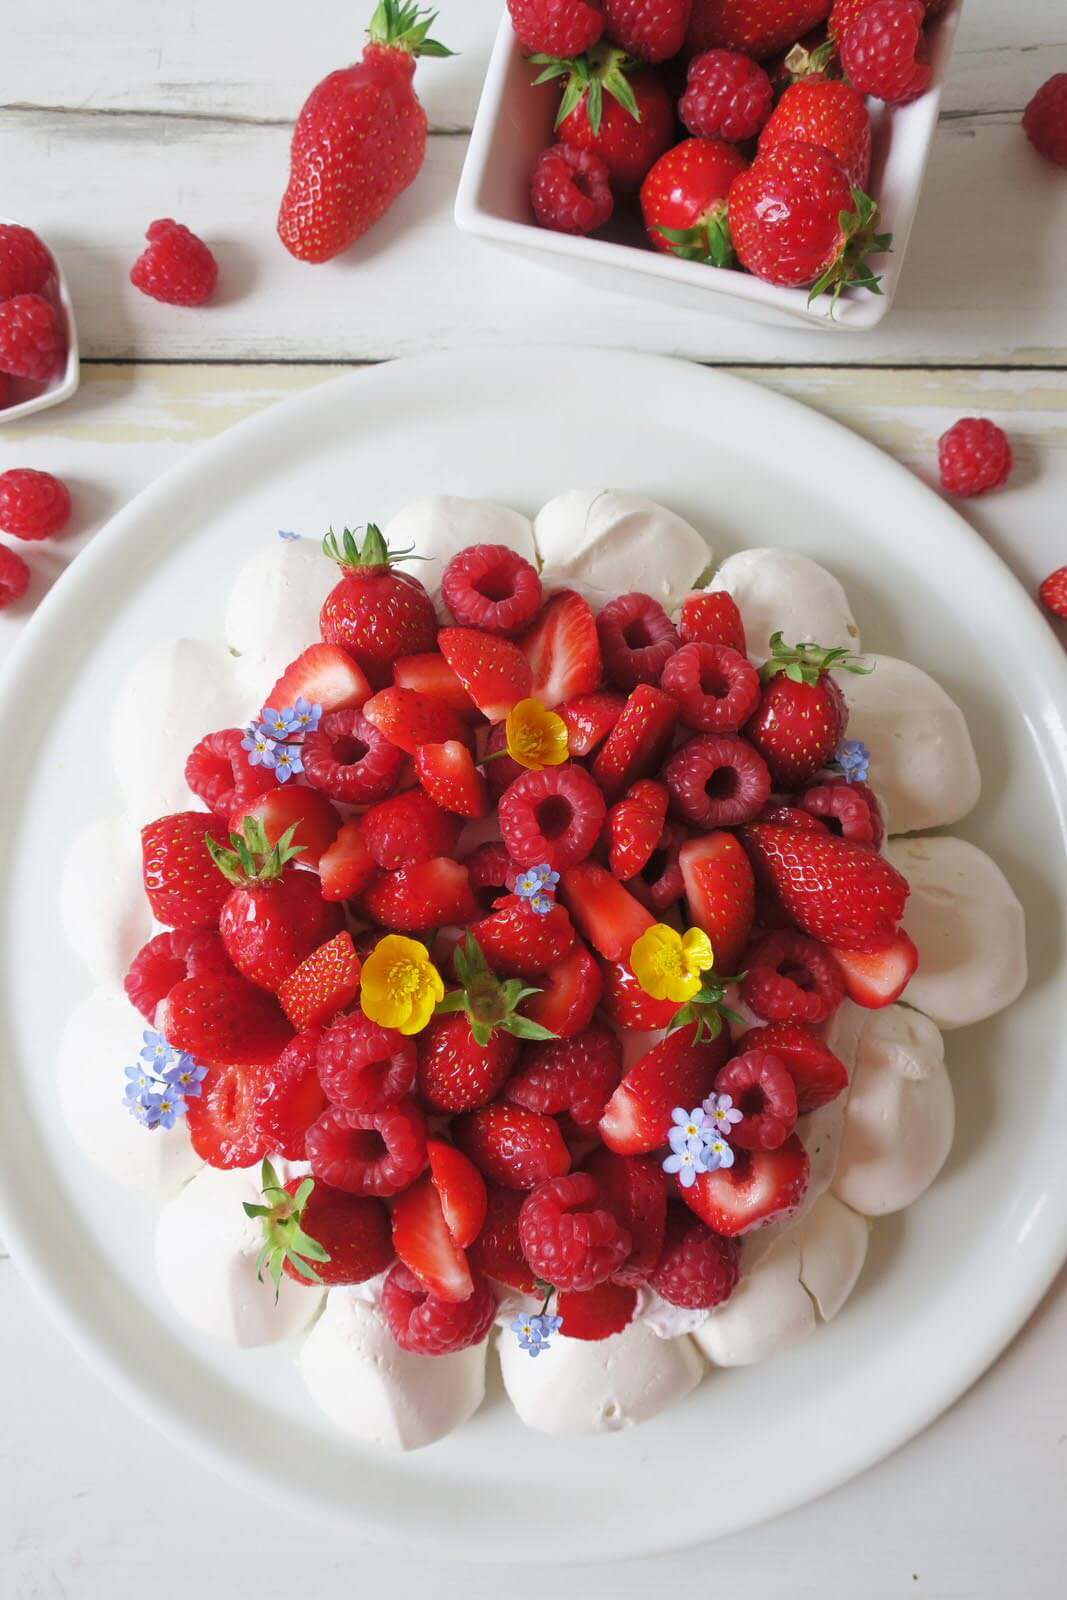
(115, 114)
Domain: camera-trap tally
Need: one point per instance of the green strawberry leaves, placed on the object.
(849, 269)
(807, 663)
(708, 242)
(602, 70)
(253, 859)
(284, 1238)
(405, 26)
(706, 1009)
(373, 554)
(489, 1004)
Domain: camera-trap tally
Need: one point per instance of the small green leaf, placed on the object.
(526, 1028)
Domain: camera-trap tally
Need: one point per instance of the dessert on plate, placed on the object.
(520, 946)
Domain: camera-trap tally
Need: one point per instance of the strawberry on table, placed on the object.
(802, 714)
(625, 116)
(684, 200)
(274, 915)
(374, 612)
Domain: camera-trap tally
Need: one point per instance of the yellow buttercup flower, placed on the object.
(668, 964)
(536, 737)
(400, 986)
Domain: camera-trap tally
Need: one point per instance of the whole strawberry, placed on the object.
(1045, 120)
(624, 116)
(182, 885)
(177, 268)
(374, 613)
(826, 112)
(557, 27)
(802, 715)
(842, 894)
(360, 138)
(758, 27)
(882, 51)
(652, 30)
(684, 200)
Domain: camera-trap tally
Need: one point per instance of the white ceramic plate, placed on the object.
(947, 1283)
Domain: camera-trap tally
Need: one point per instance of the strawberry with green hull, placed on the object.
(626, 117)
(802, 714)
(308, 813)
(826, 112)
(375, 612)
(684, 200)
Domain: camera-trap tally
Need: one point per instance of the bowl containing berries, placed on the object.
(38, 338)
(764, 162)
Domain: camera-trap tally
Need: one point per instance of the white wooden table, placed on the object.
(114, 114)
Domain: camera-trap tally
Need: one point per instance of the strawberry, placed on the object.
(168, 958)
(272, 919)
(493, 671)
(182, 886)
(417, 898)
(877, 978)
(651, 30)
(842, 894)
(563, 650)
(497, 1251)
(347, 866)
(817, 1074)
(625, 117)
(1053, 592)
(224, 1021)
(596, 1313)
(430, 675)
(676, 1072)
(634, 827)
(802, 715)
(424, 1243)
(352, 1229)
(521, 941)
(557, 27)
(325, 676)
(826, 112)
(760, 29)
(576, 1075)
(408, 828)
(762, 1186)
(461, 1187)
(408, 719)
(590, 718)
(712, 617)
(636, 1189)
(450, 778)
(569, 994)
(720, 890)
(324, 983)
(307, 811)
(375, 613)
(639, 740)
(797, 221)
(221, 1120)
(628, 1006)
(515, 1148)
(360, 138)
(606, 913)
(288, 1097)
(684, 200)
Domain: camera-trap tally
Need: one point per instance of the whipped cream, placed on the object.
(782, 591)
(374, 1391)
(768, 1311)
(608, 542)
(833, 1247)
(441, 525)
(272, 615)
(102, 906)
(969, 928)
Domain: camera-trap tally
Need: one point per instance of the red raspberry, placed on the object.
(33, 339)
(556, 27)
(374, 1152)
(363, 1067)
(408, 828)
(791, 978)
(33, 505)
(849, 809)
(698, 1269)
(554, 815)
(635, 1188)
(762, 1089)
(577, 1075)
(637, 639)
(289, 1098)
(662, 877)
(712, 617)
(718, 783)
(568, 1237)
(25, 263)
(727, 96)
(218, 772)
(348, 759)
(717, 688)
(426, 1326)
(167, 959)
(880, 51)
(14, 576)
(177, 268)
(1045, 120)
(352, 1229)
(488, 867)
(490, 587)
(570, 190)
(975, 456)
(651, 30)
(1053, 592)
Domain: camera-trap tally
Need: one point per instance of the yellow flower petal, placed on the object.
(536, 738)
(660, 967)
(697, 950)
(400, 985)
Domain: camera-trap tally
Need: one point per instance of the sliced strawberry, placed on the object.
(603, 911)
(315, 819)
(627, 1005)
(324, 984)
(422, 1240)
(712, 618)
(762, 1186)
(817, 1073)
(224, 1021)
(844, 895)
(513, 1147)
(596, 1313)
(221, 1119)
(424, 896)
(346, 868)
(461, 1188)
(450, 778)
(590, 718)
(563, 650)
(431, 675)
(326, 676)
(634, 827)
(676, 1072)
(878, 977)
(636, 1189)
(569, 994)
(720, 889)
(493, 671)
(497, 1251)
(408, 719)
(639, 740)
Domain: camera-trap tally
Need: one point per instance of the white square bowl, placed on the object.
(514, 124)
(40, 395)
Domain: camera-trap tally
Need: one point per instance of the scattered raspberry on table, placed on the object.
(177, 267)
(1045, 120)
(33, 505)
(974, 456)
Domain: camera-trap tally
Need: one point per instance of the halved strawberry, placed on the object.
(316, 821)
(563, 650)
(223, 1021)
(634, 826)
(590, 718)
(596, 1313)
(639, 740)
(817, 1073)
(221, 1119)
(493, 671)
(325, 983)
(878, 977)
(424, 896)
(450, 778)
(676, 1072)
(461, 1188)
(511, 1146)
(569, 994)
(497, 1251)
(720, 889)
(762, 1186)
(712, 617)
(347, 866)
(431, 675)
(628, 1006)
(408, 719)
(603, 911)
(326, 676)
(636, 1189)
(422, 1240)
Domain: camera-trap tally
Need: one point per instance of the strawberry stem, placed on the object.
(849, 270)
(402, 25)
(807, 663)
(709, 241)
(373, 555)
(252, 858)
(588, 77)
(488, 1003)
(284, 1238)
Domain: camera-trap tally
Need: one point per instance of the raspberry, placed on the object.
(289, 1098)
(352, 1229)
(663, 873)
(426, 1326)
(698, 1269)
(577, 1075)
(408, 828)
(718, 783)
(167, 959)
(33, 340)
(763, 1091)
(14, 576)
(488, 868)
(33, 505)
(554, 815)
(569, 1239)
(712, 617)
(25, 263)
(849, 809)
(880, 51)
(727, 96)
(490, 587)
(1053, 592)
(363, 1067)
(717, 688)
(570, 190)
(1045, 120)
(375, 1152)
(637, 639)
(556, 27)
(791, 978)
(975, 456)
(218, 772)
(348, 759)
(177, 268)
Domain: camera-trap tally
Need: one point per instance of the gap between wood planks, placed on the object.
(729, 365)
